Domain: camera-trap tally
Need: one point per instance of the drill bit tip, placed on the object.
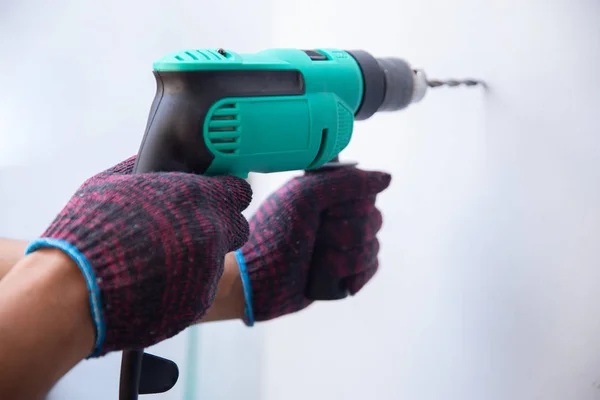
(454, 82)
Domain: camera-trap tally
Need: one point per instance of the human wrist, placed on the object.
(60, 277)
(248, 316)
(229, 300)
(43, 293)
(55, 276)
(94, 298)
(236, 290)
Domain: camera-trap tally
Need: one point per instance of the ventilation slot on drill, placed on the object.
(224, 129)
(200, 55)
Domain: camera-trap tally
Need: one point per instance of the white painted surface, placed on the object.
(489, 250)
(490, 256)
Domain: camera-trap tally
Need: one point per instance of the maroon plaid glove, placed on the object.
(319, 220)
(151, 248)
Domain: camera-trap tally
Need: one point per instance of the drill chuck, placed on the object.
(390, 84)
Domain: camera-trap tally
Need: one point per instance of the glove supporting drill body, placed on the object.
(318, 220)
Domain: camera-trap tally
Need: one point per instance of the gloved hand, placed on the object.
(151, 248)
(318, 220)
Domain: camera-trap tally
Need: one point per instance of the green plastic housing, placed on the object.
(277, 133)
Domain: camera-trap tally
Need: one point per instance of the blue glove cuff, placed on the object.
(248, 313)
(90, 280)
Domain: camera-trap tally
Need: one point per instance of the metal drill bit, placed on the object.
(454, 82)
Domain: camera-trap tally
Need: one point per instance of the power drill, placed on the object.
(217, 112)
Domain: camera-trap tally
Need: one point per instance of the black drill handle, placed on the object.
(321, 284)
(173, 141)
(173, 131)
(174, 138)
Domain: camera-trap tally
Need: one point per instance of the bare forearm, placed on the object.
(228, 304)
(45, 324)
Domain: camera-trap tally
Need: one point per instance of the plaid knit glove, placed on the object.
(151, 248)
(318, 220)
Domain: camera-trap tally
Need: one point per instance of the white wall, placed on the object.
(489, 256)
